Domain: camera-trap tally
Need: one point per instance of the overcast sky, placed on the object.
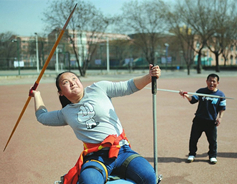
(23, 17)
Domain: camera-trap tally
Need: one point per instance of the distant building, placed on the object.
(119, 52)
(85, 41)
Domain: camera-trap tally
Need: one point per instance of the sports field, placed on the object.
(39, 154)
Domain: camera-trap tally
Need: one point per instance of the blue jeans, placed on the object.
(139, 169)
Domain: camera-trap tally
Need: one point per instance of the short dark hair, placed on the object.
(63, 100)
(213, 75)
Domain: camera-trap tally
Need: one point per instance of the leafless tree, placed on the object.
(146, 22)
(185, 36)
(85, 18)
(43, 46)
(120, 49)
(199, 16)
(229, 37)
(212, 22)
(225, 28)
(8, 49)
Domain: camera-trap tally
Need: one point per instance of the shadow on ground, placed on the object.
(180, 160)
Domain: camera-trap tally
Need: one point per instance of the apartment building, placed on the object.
(208, 58)
(85, 42)
(87, 45)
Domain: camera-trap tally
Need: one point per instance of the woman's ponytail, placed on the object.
(64, 101)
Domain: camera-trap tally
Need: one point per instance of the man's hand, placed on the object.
(218, 121)
(185, 95)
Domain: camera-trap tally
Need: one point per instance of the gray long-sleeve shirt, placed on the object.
(94, 117)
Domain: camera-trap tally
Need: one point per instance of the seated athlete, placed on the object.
(90, 113)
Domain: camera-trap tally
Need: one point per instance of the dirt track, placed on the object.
(40, 155)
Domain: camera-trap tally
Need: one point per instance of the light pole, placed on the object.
(37, 52)
(18, 55)
(107, 54)
(56, 65)
(166, 53)
(181, 55)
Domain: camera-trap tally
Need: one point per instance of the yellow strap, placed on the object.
(106, 171)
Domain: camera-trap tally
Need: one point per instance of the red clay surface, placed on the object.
(39, 154)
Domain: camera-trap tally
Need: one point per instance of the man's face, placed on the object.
(212, 83)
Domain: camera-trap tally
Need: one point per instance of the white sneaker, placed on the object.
(190, 158)
(213, 160)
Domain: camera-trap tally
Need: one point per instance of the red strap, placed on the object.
(112, 141)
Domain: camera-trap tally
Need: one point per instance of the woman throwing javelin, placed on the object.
(90, 113)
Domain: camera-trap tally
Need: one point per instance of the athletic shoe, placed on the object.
(213, 160)
(190, 158)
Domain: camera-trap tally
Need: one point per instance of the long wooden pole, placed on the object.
(40, 76)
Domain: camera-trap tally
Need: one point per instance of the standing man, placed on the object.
(207, 117)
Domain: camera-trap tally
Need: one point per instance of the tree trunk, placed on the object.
(85, 66)
(188, 67)
(79, 67)
(199, 64)
(217, 62)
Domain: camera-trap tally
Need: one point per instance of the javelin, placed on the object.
(40, 75)
(191, 93)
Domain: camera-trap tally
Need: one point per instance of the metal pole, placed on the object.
(154, 91)
(80, 47)
(37, 52)
(166, 53)
(107, 54)
(18, 56)
(197, 94)
(56, 64)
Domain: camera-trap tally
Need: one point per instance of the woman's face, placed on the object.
(70, 86)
